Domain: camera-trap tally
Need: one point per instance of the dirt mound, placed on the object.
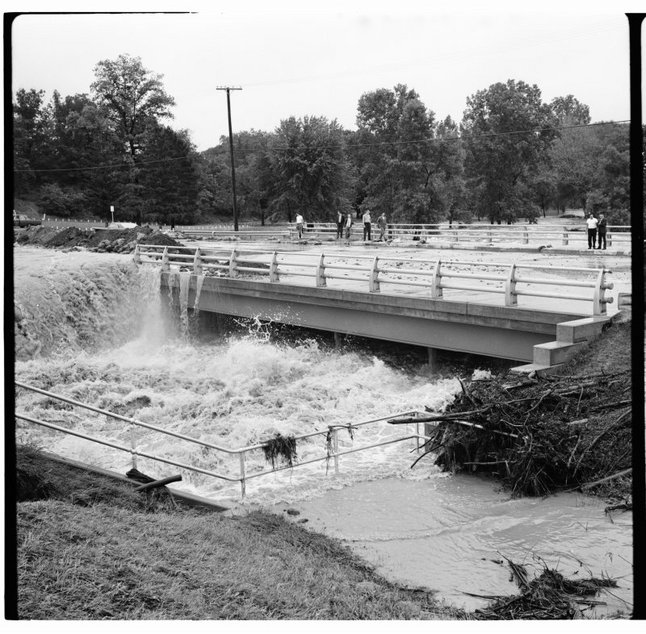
(100, 240)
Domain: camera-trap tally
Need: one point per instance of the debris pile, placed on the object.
(548, 596)
(99, 240)
(541, 434)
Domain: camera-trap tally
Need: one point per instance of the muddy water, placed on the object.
(452, 534)
(95, 329)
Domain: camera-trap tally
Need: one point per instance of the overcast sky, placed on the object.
(299, 59)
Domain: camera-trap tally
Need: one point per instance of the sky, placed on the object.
(318, 58)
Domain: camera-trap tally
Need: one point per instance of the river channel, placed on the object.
(94, 328)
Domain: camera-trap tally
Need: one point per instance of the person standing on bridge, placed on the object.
(367, 224)
(299, 226)
(602, 228)
(381, 223)
(340, 221)
(348, 226)
(592, 223)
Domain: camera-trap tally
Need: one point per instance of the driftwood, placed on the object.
(159, 483)
(556, 435)
(588, 485)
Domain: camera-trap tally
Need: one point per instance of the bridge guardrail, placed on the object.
(437, 276)
(563, 235)
(333, 451)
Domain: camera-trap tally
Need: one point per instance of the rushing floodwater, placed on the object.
(94, 329)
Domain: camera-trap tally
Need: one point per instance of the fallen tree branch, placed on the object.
(159, 483)
(619, 474)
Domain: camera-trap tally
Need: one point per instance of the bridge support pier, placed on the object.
(432, 359)
(338, 339)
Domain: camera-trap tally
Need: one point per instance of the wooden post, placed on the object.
(137, 255)
(273, 268)
(373, 280)
(233, 264)
(320, 272)
(511, 299)
(436, 281)
(165, 265)
(197, 262)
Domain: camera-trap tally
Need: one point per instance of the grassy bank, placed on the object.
(92, 548)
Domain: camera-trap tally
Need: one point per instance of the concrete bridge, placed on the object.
(254, 287)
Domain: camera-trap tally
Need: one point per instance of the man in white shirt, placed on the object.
(592, 223)
(367, 225)
(299, 226)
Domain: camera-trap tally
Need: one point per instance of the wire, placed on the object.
(335, 145)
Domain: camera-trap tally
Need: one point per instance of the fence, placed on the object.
(434, 277)
(333, 451)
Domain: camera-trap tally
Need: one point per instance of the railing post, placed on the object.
(137, 255)
(320, 272)
(197, 262)
(165, 264)
(609, 239)
(565, 238)
(599, 300)
(133, 445)
(373, 280)
(233, 264)
(417, 436)
(273, 268)
(525, 235)
(511, 299)
(335, 449)
(436, 281)
(243, 475)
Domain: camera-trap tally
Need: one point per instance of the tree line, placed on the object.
(512, 157)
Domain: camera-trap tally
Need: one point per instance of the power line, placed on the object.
(336, 145)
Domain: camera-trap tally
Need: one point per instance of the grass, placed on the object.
(94, 549)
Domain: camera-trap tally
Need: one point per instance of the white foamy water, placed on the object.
(96, 329)
(234, 393)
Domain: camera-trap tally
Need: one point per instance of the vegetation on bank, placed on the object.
(91, 548)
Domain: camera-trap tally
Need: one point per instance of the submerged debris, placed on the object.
(549, 596)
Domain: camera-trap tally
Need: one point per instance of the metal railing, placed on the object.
(333, 451)
(435, 276)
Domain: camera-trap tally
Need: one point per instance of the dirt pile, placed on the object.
(99, 240)
(544, 434)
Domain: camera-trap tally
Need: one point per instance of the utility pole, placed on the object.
(233, 169)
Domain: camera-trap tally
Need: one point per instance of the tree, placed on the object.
(393, 153)
(132, 96)
(310, 169)
(30, 124)
(507, 131)
(570, 111)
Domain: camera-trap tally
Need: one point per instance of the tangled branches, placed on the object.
(538, 435)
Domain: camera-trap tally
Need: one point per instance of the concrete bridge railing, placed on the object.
(495, 283)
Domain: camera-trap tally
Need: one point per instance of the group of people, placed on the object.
(344, 226)
(596, 231)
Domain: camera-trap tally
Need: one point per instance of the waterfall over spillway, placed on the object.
(69, 302)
